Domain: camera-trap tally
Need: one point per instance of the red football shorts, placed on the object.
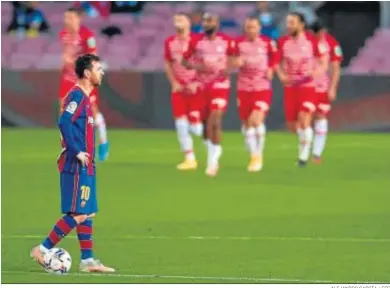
(249, 101)
(214, 99)
(187, 105)
(299, 99)
(323, 103)
(66, 85)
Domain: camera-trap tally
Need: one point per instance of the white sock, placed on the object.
(196, 129)
(260, 131)
(251, 140)
(321, 132)
(306, 144)
(184, 137)
(43, 249)
(214, 153)
(301, 137)
(101, 125)
(87, 260)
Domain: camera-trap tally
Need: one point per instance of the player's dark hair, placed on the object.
(300, 17)
(75, 10)
(253, 18)
(84, 62)
(317, 26)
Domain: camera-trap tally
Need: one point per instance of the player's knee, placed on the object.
(196, 129)
(79, 218)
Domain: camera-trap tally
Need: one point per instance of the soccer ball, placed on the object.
(57, 261)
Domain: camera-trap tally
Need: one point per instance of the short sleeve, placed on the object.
(73, 105)
(167, 51)
(189, 50)
(336, 53)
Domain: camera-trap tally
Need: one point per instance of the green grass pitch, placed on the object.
(159, 225)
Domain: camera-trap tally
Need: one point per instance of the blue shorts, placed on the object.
(78, 193)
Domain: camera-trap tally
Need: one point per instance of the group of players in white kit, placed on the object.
(198, 67)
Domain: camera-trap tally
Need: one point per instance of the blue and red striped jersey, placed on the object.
(76, 125)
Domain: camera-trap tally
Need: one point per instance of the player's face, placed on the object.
(96, 74)
(252, 28)
(294, 26)
(72, 21)
(210, 25)
(181, 23)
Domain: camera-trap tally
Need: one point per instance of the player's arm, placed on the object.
(277, 60)
(272, 58)
(232, 54)
(68, 116)
(168, 68)
(335, 70)
(188, 53)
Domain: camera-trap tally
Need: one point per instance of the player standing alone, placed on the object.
(186, 104)
(326, 88)
(255, 61)
(301, 61)
(77, 167)
(212, 53)
(77, 40)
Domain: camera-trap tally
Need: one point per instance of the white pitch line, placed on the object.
(183, 277)
(224, 238)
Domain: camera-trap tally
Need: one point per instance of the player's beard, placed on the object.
(294, 33)
(179, 30)
(210, 31)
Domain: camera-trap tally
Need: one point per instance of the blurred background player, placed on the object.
(187, 105)
(78, 40)
(254, 87)
(301, 61)
(77, 167)
(213, 53)
(326, 88)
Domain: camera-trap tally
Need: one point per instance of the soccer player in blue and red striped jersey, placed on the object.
(77, 167)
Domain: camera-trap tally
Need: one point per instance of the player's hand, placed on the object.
(83, 158)
(239, 62)
(332, 94)
(193, 87)
(270, 74)
(176, 87)
(284, 79)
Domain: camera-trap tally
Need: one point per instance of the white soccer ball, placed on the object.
(57, 261)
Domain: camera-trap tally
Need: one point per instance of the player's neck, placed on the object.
(183, 35)
(85, 86)
(212, 36)
(251, 38)
(299, 35)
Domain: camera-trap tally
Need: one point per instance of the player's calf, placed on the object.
(186, 144)
(214, 131)
(305, 134)
(255, 135)
(320, 136)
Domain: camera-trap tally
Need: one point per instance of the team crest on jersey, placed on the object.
(90, 120)
(338, 51)
(91, 42)
(71, 108)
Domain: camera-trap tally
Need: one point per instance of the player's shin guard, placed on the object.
(62, 228)
(196, 129)
(101, 125)
(214, 154)
(84, 234)
(321, 132)
(184, 137)
(306, 141)
(251, 141)
(260, 132)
